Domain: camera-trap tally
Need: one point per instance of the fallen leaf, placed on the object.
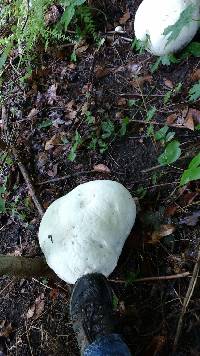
(194, 114)
(53, 172)
(54, 294)
(170, 211)
(191, 220)
(85, 108)
(37, 308)
(165, 230)
(121, 102)
(187, 118)
(124, 18)
(171, 119)
(140, 81)
(168, 83)
(52, 142)
(5, 328)
(51, 94)
(71, 110)
(81, 49)
(32, 113)
(101, 71)
(189, 122)
(195, 75)
(101, 168)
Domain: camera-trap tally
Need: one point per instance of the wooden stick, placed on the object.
(187, 299)
(29, 184)
(157, 278)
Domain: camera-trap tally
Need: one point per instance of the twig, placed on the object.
(28, 182)
(157, 278)
(54, 180)
(7, 285)
(28, 338)
(187, 299)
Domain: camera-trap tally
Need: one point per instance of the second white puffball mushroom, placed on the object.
(85, 230)
(154, 16)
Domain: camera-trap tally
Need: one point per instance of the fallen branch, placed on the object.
(187, 299)
(29, 184)
(24, 267)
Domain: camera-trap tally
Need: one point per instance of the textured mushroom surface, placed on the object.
(154, 16)
(85, 230)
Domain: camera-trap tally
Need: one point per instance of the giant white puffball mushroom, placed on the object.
(154, 16)
(85, 230)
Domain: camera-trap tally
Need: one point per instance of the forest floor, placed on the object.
(89, 120)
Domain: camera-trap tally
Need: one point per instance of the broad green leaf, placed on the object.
(124, 125)
(160, 134)
(171, 154)
(107, 128)
(185, 18)
(195, 162)
(194, 93)
(170, 136)
(150, 114)
(190, 175)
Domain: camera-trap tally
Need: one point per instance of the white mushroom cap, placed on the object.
(154, 16)
(85, 230)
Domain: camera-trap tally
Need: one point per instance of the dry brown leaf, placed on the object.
(140, 81)
(195, 75)
(81, 49)
(37, 308)
(189, 122)
(165, 230)
(171, 119)
(54, 294)
(121, 102)
(5, 328)
(124, 18)
(51, 94)
(55, 140)
(195, 114)
(32, 113)
(53, 172)
(171, 210)
(85, 108)
(168, 83)
(71, 66)
(71, 110)
(101, 71)
(101, 168)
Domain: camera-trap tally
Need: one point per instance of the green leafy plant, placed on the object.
(192, 172)
(76, 143)
(165, 60)
(164, 135)
(185, 18)
(194, 92)
(23, 24)
(171, 153)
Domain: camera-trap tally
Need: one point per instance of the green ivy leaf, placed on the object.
(171, 154)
